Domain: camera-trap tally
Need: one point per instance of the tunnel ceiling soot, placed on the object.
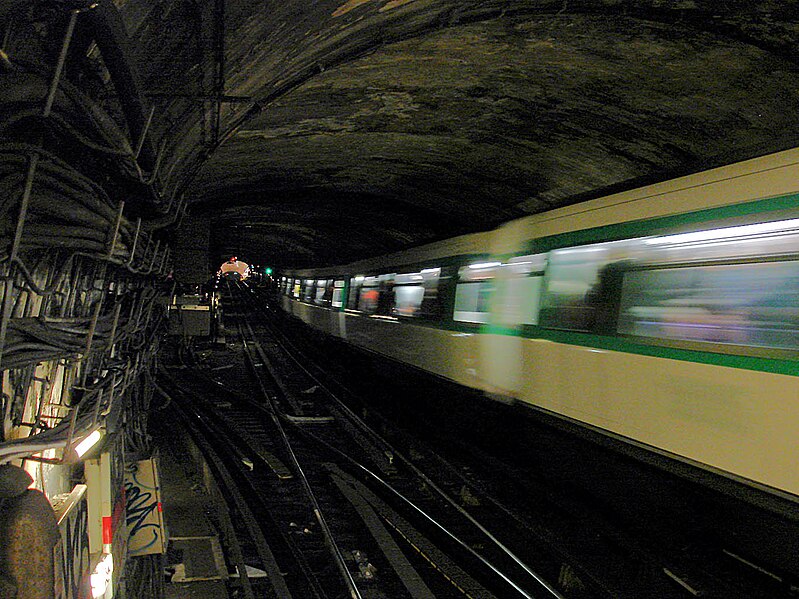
(355, 128)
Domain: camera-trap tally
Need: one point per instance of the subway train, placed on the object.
(664, 318)
(234, 270)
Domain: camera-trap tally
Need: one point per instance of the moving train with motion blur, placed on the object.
(665, 318)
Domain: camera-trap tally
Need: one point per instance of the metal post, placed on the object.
(146, 251)
(135, 240)
(116, 230)
(183, 209)
(69, 302)
(163, 261)
(72, 421)
(143, 135)
(93, 326)
(62, 57)
(97, 406)
(112, 335)
(8, 291)
(90, 339)
(114, 325)
(155, 253)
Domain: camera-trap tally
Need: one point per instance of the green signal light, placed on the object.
(268, 271)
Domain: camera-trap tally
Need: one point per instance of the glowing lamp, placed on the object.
(88, 442)
(101, 577)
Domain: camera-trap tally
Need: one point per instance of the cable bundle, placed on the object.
(70, 177)
(34, 340)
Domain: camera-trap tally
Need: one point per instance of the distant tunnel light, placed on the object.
(479, 265)
(88, 442)
(727, 232)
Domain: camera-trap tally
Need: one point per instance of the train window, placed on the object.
(416, 294)
(375, 294)
(473, 293)
(754, 304)
(308, 290)
(355, 291)
(338, 294)
(621, 286)
(319, 293)
(518, 290)
(327, 296)
(368, 295)
(582, 283)
(408, 300)
(740, 242)
(471, 301)
(297, 287)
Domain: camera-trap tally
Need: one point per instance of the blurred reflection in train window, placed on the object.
(408, 300)
(369, 294)
(755, 304)
(355, 291)
(518, 290)
(321, 286)
(416, 293)
(476, 284)
(472, 301)
(576, 282)
(307, 292)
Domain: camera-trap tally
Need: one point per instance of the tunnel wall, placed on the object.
(191, 262)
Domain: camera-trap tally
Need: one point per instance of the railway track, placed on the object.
(342, 518)
(346, 512)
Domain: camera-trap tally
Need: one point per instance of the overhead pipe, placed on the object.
(111, 37)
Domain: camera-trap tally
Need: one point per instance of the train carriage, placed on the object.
(665, 318)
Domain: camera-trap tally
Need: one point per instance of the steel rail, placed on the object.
(262, 546)
(364, 427)
(338, 556)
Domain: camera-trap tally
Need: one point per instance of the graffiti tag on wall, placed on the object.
(72, 552)
(144, 517)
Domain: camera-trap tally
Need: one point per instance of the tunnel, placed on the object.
(379, 176)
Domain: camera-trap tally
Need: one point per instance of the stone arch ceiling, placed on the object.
(366, 126)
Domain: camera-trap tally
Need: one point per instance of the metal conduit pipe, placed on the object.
(112, 40)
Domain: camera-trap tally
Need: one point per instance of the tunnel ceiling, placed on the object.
(355, 128)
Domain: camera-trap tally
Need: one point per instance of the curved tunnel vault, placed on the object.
(358, 127)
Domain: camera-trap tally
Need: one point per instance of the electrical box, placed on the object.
(191, 320)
